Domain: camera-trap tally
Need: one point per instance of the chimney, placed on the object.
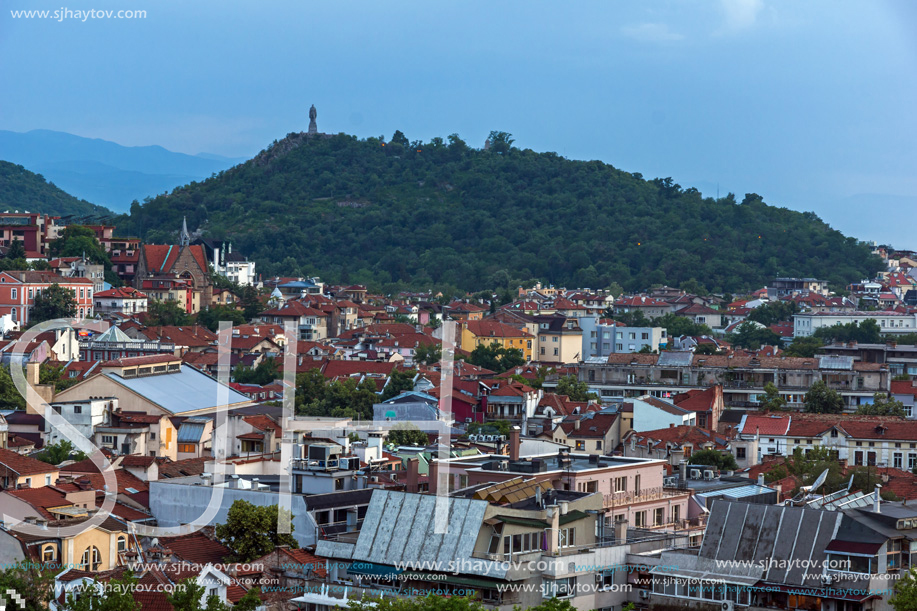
(620, 532)
(760, 479)
(514, 442)
(576, 424)
(683, 470)
(31, 372)
(434, 475)
(877, 500)
(671, 425)
(553, 532)
(413, 475)
(352, 520)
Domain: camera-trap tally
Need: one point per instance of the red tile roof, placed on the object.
(161, 258)
(766, 425)
(335, 369)
(490, 328)
(193, 336)
(23, 465)
(590, 425)
(680, 435)
(122, 292)
(196, 547)
(698, 400)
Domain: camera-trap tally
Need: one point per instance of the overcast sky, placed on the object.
(810, 104)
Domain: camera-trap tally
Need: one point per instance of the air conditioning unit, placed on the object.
(467, 420)
(644, 594)
(695, 474)
(728, 605)
(827, 579)
(708, 475)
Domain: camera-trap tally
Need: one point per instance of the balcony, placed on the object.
(647, 494)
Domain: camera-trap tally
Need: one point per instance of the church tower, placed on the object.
(185, 238)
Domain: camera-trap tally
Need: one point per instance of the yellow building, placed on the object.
(94, 549)
(485, 332)
(17, 470)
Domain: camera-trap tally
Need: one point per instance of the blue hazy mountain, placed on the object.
(104, 172)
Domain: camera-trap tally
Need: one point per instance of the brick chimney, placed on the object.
(434, 475)
(413, 475)
(514, 442)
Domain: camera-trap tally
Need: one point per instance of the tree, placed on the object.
(552, 604)
(56, 453)
(882, 405)
(704, 349)
(16, 251)
(50, 374)
(250, 302)
(10, 397)
(118, 595)
(493, 427)
(772, 400)
(212, 316)
(407, 434)
(250, 531)
(53, 302)
(495, 357)
(714, 458)
(676, 326)
(751, 336)
(398, 382)
(575, 389)
(35, 587)
(428, 354)
(773, 312)
(80, 241)
(264, 373)
(501, 142)
(866, 332)
(189, 597)
(805, 347)
(823, 400)
(166, 314)
(634, 318)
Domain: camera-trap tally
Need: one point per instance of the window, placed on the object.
(122, 543)
(187, 447)
(555, 352)
(598, 445)
(77, 409)
(14, 293)
(92, 559)
(911, 461)
(644, 336)
(49, 553)
(108, 439)
(580, 445)
(898, 460)
(47, 480)
(567, 537)
(659, 516)
(676, 513)
(640, 519)
(560, 588)
(620, 484)
(740, 453)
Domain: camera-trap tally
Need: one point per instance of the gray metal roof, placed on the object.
(401, 528)
(672, 358)
(739, 531)
(185, 391)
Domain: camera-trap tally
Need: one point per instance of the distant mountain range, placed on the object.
(22, 190)
(104, 172)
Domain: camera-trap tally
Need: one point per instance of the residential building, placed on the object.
(34, 230)
(742, 377)
(313, 324)
(787, 287)
(231, 265)
(17, 470)
(890, 322)
(166, 264)
(476, 333)
(560, 340)
(18, 290)
(120, 300)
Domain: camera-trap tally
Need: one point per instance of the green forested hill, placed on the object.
(21, 190)
(442, 213)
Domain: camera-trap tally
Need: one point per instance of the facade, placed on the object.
(476, 333)
(742, 377)
(560, 340)
(121, 300)
(18, 290)
(890, 323)
(34, 230)
(160, 268)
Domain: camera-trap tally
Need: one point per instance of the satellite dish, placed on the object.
(819, 481)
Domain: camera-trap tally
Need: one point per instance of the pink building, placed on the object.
(633, 489)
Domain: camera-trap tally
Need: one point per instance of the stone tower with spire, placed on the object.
(184, 239)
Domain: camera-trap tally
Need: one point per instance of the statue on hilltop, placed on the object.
(313, 128)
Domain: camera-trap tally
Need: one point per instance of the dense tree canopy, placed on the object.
(444, 214)
(53, 302)
(823, 400)
(250, 531)
(30, 191)
(867, 332)
(721, 460)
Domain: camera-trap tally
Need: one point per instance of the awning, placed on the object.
(360, 567)
(573, 516)
(459, 580)
(854, 547)
(524, 522)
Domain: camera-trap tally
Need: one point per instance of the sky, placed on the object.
(809, 104)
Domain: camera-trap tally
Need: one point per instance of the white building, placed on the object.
(806, 324)
(233, 266)
(125, 300)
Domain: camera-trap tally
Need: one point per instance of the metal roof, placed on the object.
(836, 362)
(737, 492)
(184, 391)
(401, 528)
(190, 432)
(673, 358)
